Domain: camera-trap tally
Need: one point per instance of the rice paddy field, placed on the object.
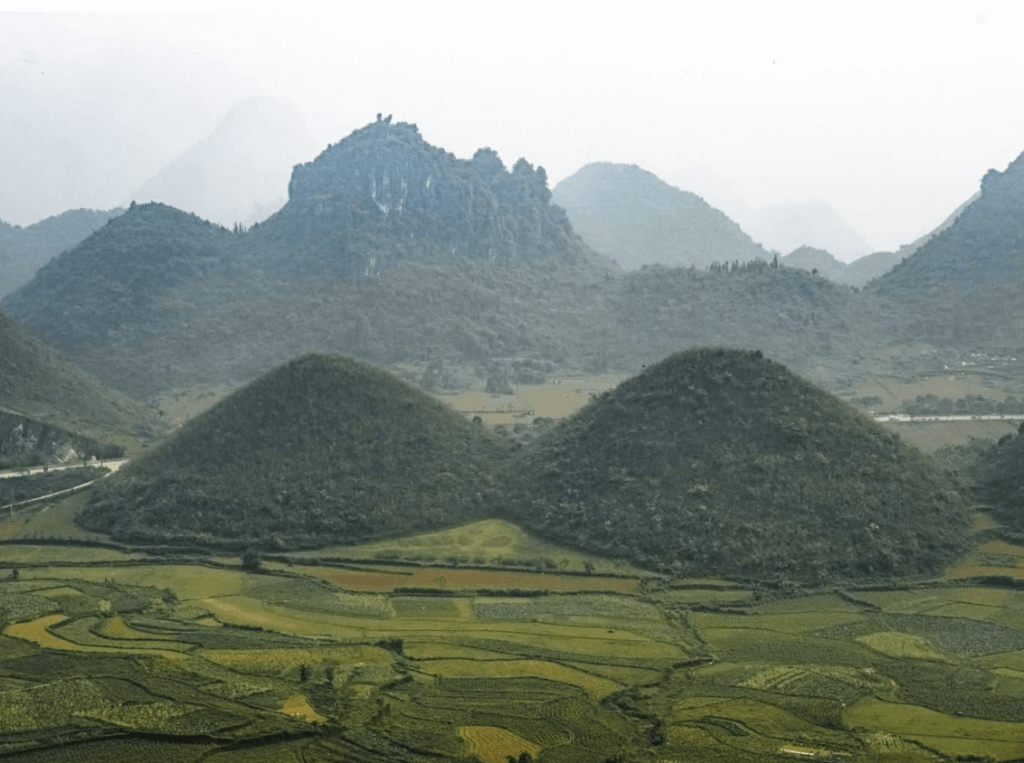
(107, 655)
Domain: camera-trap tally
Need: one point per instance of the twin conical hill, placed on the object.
(722, 462)
(323, 449)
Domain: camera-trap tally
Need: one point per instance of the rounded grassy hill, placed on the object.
(321, 450)
(722, 462)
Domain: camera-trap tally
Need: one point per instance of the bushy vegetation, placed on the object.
(38, 383)
(23, 250)
(722, 462)
(1002, 481)
(323, 449)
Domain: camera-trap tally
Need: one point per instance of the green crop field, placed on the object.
(104, 653)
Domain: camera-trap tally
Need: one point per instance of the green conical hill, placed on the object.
(722, 462)
(321, 450)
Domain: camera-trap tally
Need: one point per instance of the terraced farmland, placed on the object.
(124, 655)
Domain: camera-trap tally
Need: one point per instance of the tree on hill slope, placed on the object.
(323, 449)
(720, 462)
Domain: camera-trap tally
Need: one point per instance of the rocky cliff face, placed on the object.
(383, 194)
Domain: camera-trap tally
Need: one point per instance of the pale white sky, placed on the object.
(891, 112)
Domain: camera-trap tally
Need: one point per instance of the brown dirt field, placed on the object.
(493, 745)
(468, 579)
(558, 398)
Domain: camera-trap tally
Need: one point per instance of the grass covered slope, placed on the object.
(722, 462)
(323, 449)
(37, 383)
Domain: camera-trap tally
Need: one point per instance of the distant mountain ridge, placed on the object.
(23, 250)
(637, 219)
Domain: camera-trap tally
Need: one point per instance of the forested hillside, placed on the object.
(23, 250)
(720, 461)
(324, 449)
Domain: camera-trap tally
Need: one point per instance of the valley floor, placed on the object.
(378, 653)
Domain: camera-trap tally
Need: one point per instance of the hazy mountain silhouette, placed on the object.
(785, 227)
(241, 170)
(722, 462)
(637, 219)
(23, 250)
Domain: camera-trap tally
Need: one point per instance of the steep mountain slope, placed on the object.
(38, 385)
(966, 285)
(723, 462)
(321, 450)
(24, 250)
(240, 169)
(631, 215)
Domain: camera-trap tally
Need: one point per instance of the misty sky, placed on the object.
(890, 112)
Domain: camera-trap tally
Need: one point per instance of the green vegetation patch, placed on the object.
(721, 462)
(321, 450)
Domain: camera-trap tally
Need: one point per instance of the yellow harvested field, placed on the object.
(187, 581)
(38, 632)
(297, 706)
(494, 745)
(595, 686)
(896, 644)
(949, 734)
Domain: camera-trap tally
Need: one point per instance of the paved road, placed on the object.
(902, 418)
(112, 465)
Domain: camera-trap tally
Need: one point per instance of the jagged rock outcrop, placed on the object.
(637, 219)
(384, 195)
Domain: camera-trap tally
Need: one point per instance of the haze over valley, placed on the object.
(474, 394)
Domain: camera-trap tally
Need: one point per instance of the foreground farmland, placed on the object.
(383, 659)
